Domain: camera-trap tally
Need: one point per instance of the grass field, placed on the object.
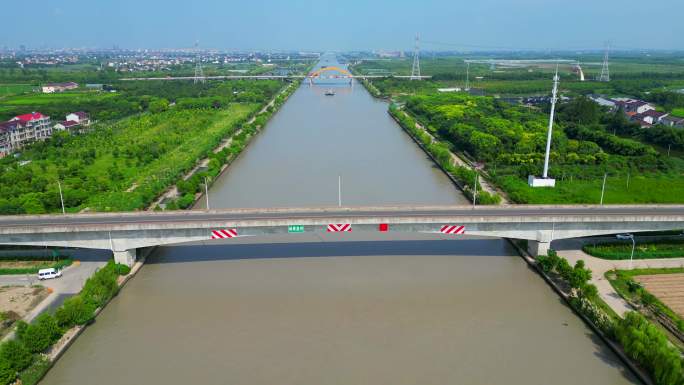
(678, 112)
(14, 89)
(647, 188)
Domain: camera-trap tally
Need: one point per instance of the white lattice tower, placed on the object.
(415, 71)
(605, 71)
(199, 72)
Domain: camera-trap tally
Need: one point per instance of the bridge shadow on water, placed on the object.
(225, 251)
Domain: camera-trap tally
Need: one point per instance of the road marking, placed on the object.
(336, 228)
(224, 233)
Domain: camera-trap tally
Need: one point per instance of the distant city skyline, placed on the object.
(350, 25)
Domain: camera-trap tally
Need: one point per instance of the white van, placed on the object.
(49, 273)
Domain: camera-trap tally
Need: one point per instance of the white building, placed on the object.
(22, 130)
(59, 87)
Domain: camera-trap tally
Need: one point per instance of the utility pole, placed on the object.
(206, 191)
(475, 188)
(339, 190)
(603, 188)
(631, 256)
(554, 99)
(669, 146)
(415, 71)
(467, 85)
(61, 197)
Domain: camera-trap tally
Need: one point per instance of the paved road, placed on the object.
(519, 211)
(74, 276)
(571, 249)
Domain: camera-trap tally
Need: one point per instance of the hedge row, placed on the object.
(59, 264)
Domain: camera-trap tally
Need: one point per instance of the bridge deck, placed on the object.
(523, 213)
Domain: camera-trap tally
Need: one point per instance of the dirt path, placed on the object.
(172, 191)
(571, 249)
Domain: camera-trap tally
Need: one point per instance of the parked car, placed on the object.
(49, 273)
(624, 237)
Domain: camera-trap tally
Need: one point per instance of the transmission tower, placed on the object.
(415, 71)
(605, 72)
(199, 72)
(467, 84)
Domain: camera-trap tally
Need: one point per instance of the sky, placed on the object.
(344, 25)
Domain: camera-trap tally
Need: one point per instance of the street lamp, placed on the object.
(630, 237)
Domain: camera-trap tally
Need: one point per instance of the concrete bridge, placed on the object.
(126, 233)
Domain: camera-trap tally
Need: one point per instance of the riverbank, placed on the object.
(208, 169)
(493, 194)
(75, 318)
(464, 177)
(565, 295)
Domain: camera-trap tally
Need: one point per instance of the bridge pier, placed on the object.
(125, 257)
(537, 248)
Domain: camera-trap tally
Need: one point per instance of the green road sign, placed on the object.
(295, 228)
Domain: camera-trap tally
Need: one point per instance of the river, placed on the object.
(341, 308)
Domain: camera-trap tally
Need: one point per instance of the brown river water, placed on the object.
(341, 308)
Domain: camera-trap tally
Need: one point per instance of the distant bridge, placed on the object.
(125, 233)
(273, 77)
(317, 74)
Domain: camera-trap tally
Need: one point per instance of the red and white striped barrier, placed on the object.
(224, 233)
(452, 229)
(336, 228)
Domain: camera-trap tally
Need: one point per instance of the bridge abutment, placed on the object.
(125, 257)
(537, 248)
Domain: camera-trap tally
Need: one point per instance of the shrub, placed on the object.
(7, 373)
(35, 372)
(74, 311)
(122, 269)
(564, 269)
(16, 354)
(39, 335)
(102, 286)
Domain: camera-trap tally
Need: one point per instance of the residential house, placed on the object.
(79, 117)
(59, 87)
(672, 121)
(651, 117)
(66, 125)
(22, 130)
(632, 106)
(603, 102)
